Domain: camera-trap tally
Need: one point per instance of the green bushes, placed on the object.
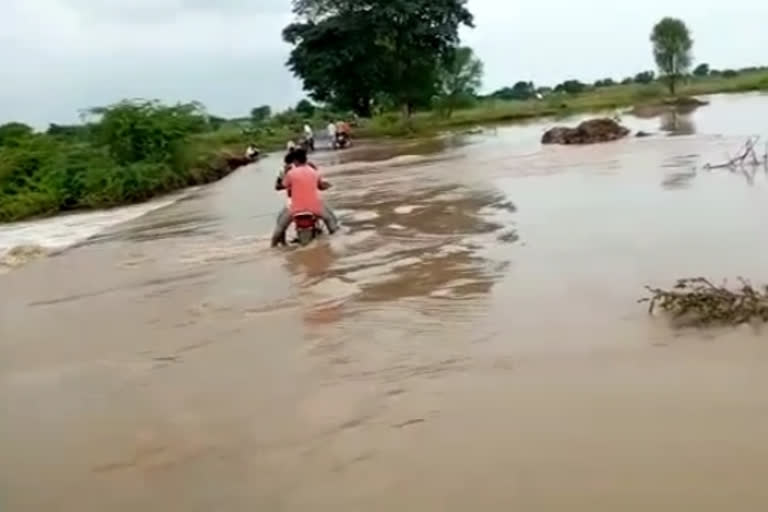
(133, 151)
(12, 134)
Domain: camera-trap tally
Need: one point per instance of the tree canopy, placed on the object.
(672, 45)
(571, 87)
(645, 77)
(348, 52)
(459, 78)
(605, 82)
(701, 70)
(305, 108)
(520, 91)
(261, 113)
(141, 130)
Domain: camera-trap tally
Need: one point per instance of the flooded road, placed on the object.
(470, 341)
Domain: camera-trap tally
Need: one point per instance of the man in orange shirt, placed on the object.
(303, 184)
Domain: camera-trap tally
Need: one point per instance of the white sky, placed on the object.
(57, 56)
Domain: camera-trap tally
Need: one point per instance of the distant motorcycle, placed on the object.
(341, 141)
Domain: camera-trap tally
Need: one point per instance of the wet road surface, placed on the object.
(471, 341)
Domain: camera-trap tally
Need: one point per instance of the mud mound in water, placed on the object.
(588, 132)
(698, 302)
(21, 255)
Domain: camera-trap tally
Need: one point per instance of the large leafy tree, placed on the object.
(348, 52)
(672, 45)
(336, 58)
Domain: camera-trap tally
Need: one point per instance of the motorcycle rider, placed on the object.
(332, 132)
(309, 137)
(252, 152)
(302, 182)
(288, 162)
(342, 134)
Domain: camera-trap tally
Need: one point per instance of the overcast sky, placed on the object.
(57, 56)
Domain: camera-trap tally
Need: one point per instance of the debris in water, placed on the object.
(21, 255)
(588, 132)
(746, 157)
(696, 301)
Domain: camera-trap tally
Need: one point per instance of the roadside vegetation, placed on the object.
(406, 75)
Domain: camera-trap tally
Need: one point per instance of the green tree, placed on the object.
(136, 130)
(459, 79)
(571, 87)
(305, 108)
(520, 91)
(336, 59)
(348, 52)
(262, 113)
(11, 133)
(69, 131)
(645, 77)
(672, 45)
(605, 82)
(701, 70)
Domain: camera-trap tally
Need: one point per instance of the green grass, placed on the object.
(593, 100)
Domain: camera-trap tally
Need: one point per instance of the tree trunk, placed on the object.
(363, 108)
(672, 84)
(407, 109)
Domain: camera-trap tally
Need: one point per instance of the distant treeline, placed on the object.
(523, 90)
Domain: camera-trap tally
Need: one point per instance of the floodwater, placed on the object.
(470, 341)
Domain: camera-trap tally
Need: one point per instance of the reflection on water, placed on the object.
(478, 310)
(674, 122)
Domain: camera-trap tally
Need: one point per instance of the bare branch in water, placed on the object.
(697, 301)
(743, 157)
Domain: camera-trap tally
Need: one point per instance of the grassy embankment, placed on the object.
(592, 100)
(132, 153)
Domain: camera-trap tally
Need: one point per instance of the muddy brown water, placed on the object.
(471, 340)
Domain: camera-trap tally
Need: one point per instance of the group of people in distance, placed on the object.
(337, 130)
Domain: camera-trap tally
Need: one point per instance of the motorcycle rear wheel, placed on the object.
(305, 236)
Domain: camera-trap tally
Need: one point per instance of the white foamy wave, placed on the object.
(63, 231)
(396, 161)
(20, 255)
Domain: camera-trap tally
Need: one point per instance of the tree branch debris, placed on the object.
(746, 157)
(698, 302)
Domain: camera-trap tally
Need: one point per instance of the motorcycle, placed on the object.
(307, 228)
(341, 141)
(308, 225)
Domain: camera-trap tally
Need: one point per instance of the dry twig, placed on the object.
(697, 301)
(743, 157)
